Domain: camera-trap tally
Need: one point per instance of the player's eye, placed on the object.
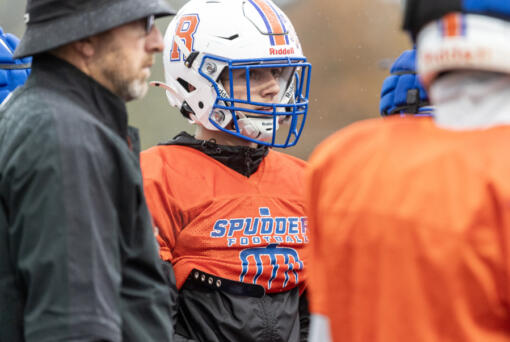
(254, 74)
(277, 72)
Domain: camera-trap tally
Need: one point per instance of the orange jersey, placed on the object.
(214, 219)
(410, 232)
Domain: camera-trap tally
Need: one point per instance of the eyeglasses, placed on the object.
(149, 23)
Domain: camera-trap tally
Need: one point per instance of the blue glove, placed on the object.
(402, 92)
(13, 72)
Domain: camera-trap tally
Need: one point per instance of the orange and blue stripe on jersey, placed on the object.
(453, 25)
(273, 21)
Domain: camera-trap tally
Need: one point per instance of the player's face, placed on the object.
(264, 86)
(125, 55)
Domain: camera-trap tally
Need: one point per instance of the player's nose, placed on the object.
(270, 86)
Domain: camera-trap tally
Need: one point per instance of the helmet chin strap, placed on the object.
(256, 127)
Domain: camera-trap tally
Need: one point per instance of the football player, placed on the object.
(13, 72)
(228, 208)
(410, 217)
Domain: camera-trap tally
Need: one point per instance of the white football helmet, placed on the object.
(208, 41)
(460, 41)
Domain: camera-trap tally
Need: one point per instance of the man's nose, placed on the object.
(154, 42)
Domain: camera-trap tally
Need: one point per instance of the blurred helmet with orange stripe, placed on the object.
(459, 35)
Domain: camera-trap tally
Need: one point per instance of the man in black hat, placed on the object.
(78, 258)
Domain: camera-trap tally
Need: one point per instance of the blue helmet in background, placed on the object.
(13, 72)
(402, 92)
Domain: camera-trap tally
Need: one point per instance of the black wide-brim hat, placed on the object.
(53, 23)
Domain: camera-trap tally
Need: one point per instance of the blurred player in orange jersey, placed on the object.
(410, 217)
(228, 208)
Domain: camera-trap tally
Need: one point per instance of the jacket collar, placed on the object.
(243, 159)
(83, 90)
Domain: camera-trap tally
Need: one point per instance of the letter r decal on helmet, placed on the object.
(185, 30)
(273, 21)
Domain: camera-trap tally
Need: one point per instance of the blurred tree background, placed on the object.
(350, 43)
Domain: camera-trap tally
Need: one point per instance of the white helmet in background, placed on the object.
(212, 38)
(459, 35)
(461, 41)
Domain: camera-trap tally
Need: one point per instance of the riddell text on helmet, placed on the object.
(281, 51)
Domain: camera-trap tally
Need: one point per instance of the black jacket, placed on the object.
(215, 309)
(78, 258)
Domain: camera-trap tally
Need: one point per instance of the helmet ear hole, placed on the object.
(186, 85)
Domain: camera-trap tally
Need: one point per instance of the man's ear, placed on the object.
(85, 47)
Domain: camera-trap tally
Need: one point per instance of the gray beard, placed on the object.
(136, 90)
(127, 90)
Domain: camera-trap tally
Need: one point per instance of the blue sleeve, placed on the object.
(13, 72)
(402, 92)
